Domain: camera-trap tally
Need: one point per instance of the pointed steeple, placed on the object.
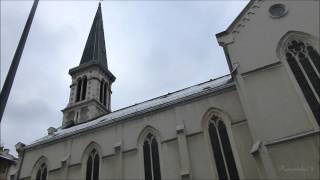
(90, 91)
(95, 49)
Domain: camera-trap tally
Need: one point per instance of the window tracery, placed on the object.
(42, 172)
(221, 148)
(304, 61)
(151, 158)
(93, 166)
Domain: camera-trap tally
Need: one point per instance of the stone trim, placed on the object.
(92, 64)
(194, 134)
(292, 137)
(185, 167)
(263, 68)
(169, 140)
(73, 165)
(241, 20)
(130, 150)
(239, 122)
(108, 156)
(55, 169)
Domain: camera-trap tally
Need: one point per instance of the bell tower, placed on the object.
(90, 91)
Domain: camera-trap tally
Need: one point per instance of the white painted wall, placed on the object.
(190, 114)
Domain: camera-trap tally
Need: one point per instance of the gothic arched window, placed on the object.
(109, 99)
(93, 166)
(84, 88)
(151, 158)
(221, 149)
(105, 94)
(101, 91)
(304, 62)
(79, 83)
(42, 172)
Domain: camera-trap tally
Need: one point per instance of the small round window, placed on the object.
(278, 10)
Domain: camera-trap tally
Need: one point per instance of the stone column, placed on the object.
(185, 172)
(263, 160)
(118, 153)
(118, 160)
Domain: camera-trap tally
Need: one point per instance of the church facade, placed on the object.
(260, 122)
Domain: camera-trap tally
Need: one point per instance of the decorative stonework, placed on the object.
(228, 36)
(278, 10)
(246, 18)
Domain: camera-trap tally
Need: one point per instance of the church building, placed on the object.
(259, 122)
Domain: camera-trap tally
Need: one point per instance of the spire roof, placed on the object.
(95, 49)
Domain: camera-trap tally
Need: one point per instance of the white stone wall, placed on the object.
(273, 102)
(126, 161)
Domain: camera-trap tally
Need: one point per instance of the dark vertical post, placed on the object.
(15, 62)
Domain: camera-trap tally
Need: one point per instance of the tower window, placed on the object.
(304, 62)
(151, 158)
(84, 88)
(76, 119)
(105, 93)
(42, 172)
(109, 97)
(221, 149)
(79, 83)
(101, 91)
(93, 166)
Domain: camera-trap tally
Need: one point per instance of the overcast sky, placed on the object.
(152, 48)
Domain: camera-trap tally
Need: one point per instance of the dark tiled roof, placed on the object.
(95, 49)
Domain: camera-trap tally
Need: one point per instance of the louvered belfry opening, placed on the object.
(81, 89)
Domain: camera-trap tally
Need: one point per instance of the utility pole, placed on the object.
(15, 62)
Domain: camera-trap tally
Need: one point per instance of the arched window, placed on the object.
(151, 158)
(109, 98)
(304, 61)
(79, 83)
(101, 91)
(42, 172)
(84, 88)
(105, 94)
(221, 149)
(93, 166)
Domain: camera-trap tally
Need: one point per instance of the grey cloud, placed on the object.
(153, 48)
